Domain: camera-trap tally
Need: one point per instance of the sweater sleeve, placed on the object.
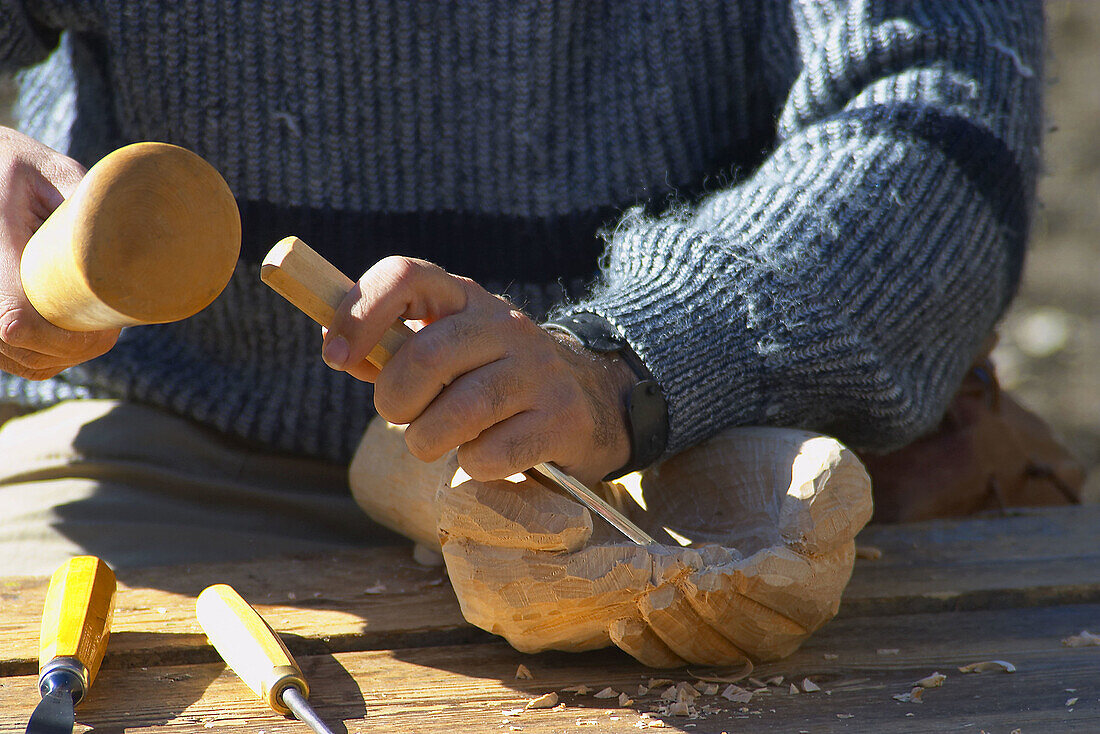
(23, 42)
(847, 283)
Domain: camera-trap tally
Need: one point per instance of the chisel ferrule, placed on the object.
(67, 672)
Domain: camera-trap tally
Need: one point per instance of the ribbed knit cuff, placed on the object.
(661, 297)
(22, 41)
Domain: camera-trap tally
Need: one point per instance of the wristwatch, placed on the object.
(646, 408)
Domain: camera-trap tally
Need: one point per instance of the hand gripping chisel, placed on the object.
(252, 649)
(299, 274)
(75, 626)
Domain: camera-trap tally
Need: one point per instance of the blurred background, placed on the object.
(1049, 350)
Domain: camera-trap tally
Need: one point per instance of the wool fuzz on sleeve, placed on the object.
(846, 284)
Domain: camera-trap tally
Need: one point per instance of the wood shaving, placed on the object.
(830, 656)
(523, 673)
(988, 666)
(1071, 701)
(736, 694)
(757, 683)
(1085, 639)
(680, 708)
(670, 694)
(794, 690)
(511, 712)
(932, 681)
(915, 695)
(625, 700)
(846, 716)
(608, 692)
(707, 689)
(581, 690)
(545, 701)
(642, 690)
(723, 677)
(378, 588)
(660, 682)
(809, 686)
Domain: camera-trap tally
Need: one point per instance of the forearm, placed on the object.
(845, 286)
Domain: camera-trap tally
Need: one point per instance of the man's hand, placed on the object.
(34, 180)
(481, 376)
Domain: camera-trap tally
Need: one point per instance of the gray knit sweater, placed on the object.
(802, 213)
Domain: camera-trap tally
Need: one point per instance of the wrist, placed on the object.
(641, 403)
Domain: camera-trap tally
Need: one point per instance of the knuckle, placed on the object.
(17, 328)
(481, 463)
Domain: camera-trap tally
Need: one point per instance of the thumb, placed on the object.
(521, 514)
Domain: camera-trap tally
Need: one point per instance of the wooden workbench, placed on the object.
(385, 649)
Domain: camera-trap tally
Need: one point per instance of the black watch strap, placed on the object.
(647, 411)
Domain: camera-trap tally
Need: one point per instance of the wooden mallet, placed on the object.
(151, 235)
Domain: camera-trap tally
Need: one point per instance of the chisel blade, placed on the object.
(54, 713)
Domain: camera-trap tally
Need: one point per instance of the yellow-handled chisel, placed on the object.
(254, 651)
(76, 623)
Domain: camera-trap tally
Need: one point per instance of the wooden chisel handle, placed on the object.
(76, 622)
(248, 645)
(299, 274)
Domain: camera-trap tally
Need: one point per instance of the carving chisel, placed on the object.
(76, 623)
(254, 651)
(299, 274)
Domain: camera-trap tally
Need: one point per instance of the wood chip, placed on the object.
(846, 716)
(679, 708)
(625, 700)
(868, 552)
(736, 694)
(608, 692)
(1085, 639)
(670, 694)
(660, 682)
(1071, 701)
(757, 683)
(545, 701)
(988, 666)
(581, 690)
(642, 690)
(511, 712)
(932, 681)
(809, 686)
(915, 695)
(830, 656)
(523, 673)
(776, 680)
(794, 690)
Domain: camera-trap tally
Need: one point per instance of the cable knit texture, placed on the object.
(812, 212)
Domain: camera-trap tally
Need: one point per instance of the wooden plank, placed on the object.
(442, 689)
(1031, 557)
(338, 603)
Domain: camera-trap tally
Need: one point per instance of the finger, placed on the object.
(634, 637)
(673, 619)
(439, 354)
(465, 408)
(395, 287)
(35, 342)
(20, 370)
(60, 177)
(511, 446)
(364, 370)
(521, 514)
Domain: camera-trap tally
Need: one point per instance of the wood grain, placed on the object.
(470, 687)
(1047, 557)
